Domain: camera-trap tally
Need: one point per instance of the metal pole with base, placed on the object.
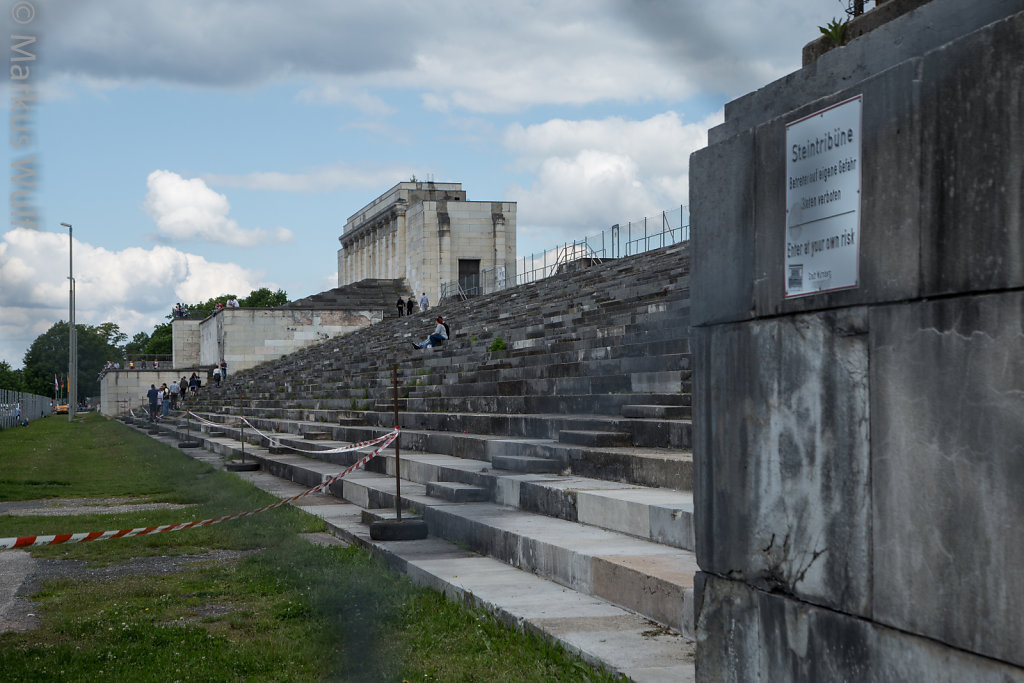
(398, 457)
(398, 529)
(188, 442)
(242, 466)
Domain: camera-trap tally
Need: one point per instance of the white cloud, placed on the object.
(188, 209)
(326, 179)
(481, 57)
(591, 174)
(134, 287)
(339, 94)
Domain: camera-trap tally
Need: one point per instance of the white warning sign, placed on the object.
(823, 169)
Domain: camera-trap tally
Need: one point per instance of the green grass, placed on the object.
(287, 611)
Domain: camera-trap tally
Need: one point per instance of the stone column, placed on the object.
(386, 251)
(359, 258)
(401, 268)
(375, 242)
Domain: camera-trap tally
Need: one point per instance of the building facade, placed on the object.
(427, 233)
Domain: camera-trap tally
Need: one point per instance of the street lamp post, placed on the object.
(72, 333)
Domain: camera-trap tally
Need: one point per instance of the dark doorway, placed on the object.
(469, 276)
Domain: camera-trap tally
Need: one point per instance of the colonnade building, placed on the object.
(428, 234)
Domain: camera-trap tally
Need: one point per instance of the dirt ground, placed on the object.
(22, 576)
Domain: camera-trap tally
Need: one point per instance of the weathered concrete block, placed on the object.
(728, 630)
(782, 489)
(936, 23)
(948, 470)
(722, 231)
(748, 635)
(971, 165)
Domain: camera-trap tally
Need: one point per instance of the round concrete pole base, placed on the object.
(394, 530)
(242, 466)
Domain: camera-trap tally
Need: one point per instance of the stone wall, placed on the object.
(185, 343)
(859, 455)
(124, 389)
(245, 337)
(441, 233)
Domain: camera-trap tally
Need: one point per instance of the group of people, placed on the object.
(180, 310)
(408, 306)
(230, 303)
(108, 366)
(220, 372)
(160, 399)
(167, 397)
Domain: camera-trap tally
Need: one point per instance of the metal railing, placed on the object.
(618, 241)
(148, 361)
(32, 406)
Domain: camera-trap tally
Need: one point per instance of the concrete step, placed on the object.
(656, 412)
(524, 464)
(595, 438)
(658, 514)
(623, 642)
(653, 579)
(452, 435)
(456, 492)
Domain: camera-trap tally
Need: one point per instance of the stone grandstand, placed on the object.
(559, 466)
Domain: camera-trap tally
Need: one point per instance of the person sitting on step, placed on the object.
(438, 337)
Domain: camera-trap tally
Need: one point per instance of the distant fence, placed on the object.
(33, 407)
(618, 241)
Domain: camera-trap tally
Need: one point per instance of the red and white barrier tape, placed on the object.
(57, 539)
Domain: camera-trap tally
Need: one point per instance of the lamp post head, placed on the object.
(66, 225)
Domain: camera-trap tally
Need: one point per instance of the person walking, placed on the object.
(424, 303)
(175, 390)
(409, 305)
(152, 396)
(400, 305)
(223, 369)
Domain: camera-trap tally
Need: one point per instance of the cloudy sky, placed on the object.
(206, 146)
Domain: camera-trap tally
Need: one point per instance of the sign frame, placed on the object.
(823, 200)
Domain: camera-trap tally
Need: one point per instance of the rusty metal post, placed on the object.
(398, 459)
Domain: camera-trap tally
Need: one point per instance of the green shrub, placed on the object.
(497, 345)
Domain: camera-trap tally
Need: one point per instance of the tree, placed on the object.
(258, 298)
(47, 357)
(137, 346)
(11, 380)
(161, 341)
(111, 333)
(264, 298)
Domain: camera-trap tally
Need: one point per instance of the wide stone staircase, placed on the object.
(372, 294)
(551, 433)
